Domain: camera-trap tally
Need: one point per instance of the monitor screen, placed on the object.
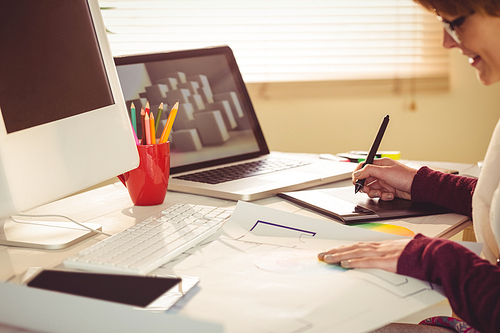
(216, 122)
(52, 75)
(63, 124)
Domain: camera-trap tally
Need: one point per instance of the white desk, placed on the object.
(111, 207)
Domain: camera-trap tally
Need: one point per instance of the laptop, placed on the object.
(216, 127)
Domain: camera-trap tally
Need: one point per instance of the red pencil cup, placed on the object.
(147, 185)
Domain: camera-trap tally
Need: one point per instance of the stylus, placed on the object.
(373, 150)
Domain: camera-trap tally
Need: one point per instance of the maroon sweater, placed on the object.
(471, 284)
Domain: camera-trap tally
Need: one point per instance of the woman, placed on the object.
(471, 284)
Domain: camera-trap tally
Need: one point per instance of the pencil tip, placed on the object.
(132, 105)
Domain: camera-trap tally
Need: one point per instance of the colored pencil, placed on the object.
(170, 122)
(158, 116)
(146, 138)
(137, 142)
(152, 128)
(133, 117)
(143, 126)
(146, 122)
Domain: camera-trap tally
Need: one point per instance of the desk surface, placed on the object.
(111, 207)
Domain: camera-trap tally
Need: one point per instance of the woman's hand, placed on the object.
(383, 255)
(385, 179)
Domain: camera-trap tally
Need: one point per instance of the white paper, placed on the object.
(261, 275)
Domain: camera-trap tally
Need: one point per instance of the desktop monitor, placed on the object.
(63, 120)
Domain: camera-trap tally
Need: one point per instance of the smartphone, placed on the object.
(126, 289)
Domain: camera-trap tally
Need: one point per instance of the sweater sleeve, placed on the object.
(471, 284)
(444, 189)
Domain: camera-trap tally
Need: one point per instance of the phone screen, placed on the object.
(132, 290)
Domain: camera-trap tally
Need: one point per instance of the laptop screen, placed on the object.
(215, 123)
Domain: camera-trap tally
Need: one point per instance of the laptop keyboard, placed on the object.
(239, 171)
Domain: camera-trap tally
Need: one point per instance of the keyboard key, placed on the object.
(239, 171)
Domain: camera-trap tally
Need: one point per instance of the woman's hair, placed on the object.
(462, 7)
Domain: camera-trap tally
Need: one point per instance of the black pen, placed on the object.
(373, 150)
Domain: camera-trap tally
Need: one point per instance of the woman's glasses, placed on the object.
(451, 26)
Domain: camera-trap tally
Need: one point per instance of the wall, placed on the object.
(453, 125)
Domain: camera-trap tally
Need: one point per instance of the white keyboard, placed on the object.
(149, 244)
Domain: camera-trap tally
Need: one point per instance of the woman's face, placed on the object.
(480, 41)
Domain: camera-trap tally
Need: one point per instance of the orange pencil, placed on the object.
(170, 122)
(147, 135)
(152, 128)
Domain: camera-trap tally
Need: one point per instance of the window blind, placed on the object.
(292, 40)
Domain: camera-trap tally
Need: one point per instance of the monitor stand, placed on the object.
(46, 235)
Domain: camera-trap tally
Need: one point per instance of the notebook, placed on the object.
(216, 126)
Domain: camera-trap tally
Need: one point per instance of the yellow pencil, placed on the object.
(170, 122)
(152, 128)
